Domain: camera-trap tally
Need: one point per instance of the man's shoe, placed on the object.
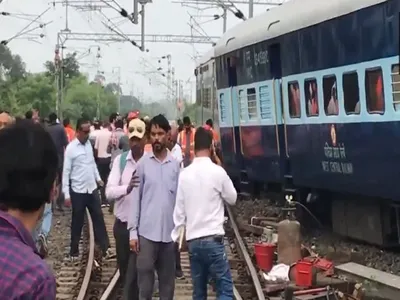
(43, 246)
(179, 274)
(109, 254)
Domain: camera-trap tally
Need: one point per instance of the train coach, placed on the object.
(206, 89)
(308, 98)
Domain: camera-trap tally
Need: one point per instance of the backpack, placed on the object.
(122, 161)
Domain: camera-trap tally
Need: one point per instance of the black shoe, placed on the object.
(179, 274)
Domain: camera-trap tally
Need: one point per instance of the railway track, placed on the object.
(96, 279)
(88, 277)
(93, 278)
(73, 277)
(246, 281)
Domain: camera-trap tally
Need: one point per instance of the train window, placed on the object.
(242, 105)
(311, 96)
(351, 93)
(329, 87)
(206, 97)
(396, 87)
(222, 107)
(294, 99)
(198, 96)
(374, 91)
(265, 102)
(252, 103)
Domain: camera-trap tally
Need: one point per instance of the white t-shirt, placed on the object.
(176, 153)
(102, 139)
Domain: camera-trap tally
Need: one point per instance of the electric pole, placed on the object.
(98, 79)
(119, 87)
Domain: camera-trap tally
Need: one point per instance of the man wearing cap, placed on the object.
(120, 184)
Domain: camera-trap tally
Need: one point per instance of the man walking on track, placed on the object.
(103, 158)
(150, 219)
(28, 160)
(60, 139)
(203, 189)
(120, 184)
(80, 180)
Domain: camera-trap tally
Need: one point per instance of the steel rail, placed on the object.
(89, 266)
(249, 264)
(111, 287)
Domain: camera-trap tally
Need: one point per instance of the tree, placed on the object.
(113, 88)
(20, 92)
(11, 66)
(129, 103)
(83, 98)
(70, 66)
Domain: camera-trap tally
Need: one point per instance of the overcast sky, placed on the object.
(162, 17)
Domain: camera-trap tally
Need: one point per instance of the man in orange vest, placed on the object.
(186, 140)
(210, 123)
(69, 131)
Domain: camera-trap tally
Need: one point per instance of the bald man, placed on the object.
(5, 119)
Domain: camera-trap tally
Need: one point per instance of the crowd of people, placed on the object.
(161, 181)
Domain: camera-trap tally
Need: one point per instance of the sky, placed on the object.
(135, 70)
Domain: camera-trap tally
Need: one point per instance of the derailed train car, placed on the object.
(206, 89)
(308, 98)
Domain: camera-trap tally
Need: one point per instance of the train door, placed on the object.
(276, 72)
(232, 77)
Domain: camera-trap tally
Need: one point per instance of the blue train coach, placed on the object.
(309, 97)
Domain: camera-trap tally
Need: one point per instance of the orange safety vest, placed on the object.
(70, 133)
(215, 135)
(182, 140)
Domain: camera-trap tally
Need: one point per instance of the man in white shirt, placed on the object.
(173, 146)
(203, 189)
(122, 180)
(103, 158)
(80, 180)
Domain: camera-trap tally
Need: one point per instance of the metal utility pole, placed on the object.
(60, 49)
(57, 79)
(119, 87)
(135, 12)
(224, 20)
(142, 12)
(169, 77)
(98, 56)
(84, 6)
(251, 8)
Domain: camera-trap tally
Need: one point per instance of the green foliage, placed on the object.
(21, 91)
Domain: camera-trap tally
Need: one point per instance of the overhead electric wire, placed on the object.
(123, 12)
(122, 35)
(23, 30)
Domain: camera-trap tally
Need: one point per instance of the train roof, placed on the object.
(206, 57)
(288, 17)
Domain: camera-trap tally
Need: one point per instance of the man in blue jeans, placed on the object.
(43, 230)
(203, 190)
